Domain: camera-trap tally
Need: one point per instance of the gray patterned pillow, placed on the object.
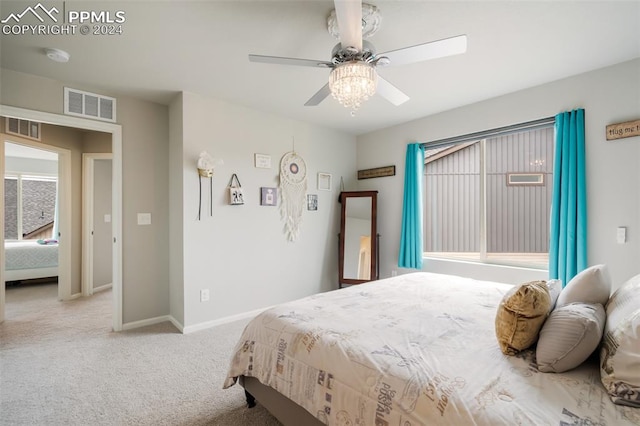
(620, 352)
(570, 334)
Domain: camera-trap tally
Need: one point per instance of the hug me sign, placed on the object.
(623, 130)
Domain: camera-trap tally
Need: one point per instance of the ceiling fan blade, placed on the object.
(319, 96)
(349, 16)
(391, 92)
(432, 50)
(290, 61)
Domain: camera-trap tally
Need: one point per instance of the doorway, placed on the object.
(41, 165)
(97, 260)
(116, 219)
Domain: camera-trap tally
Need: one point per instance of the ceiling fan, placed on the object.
(353, 78)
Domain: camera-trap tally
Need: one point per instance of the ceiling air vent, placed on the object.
(89, 105)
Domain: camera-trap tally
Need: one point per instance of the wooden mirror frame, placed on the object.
(374, 273)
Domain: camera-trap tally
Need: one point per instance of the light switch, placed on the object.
(621, 234)
(144, 218)
(107, 218)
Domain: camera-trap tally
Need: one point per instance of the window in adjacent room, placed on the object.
(489, 199)
(29, 206)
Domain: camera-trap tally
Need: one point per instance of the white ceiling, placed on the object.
(202, 47)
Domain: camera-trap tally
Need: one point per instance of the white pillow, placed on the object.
(555, 287)
(620, 352)
(593, 285)
(570, 334)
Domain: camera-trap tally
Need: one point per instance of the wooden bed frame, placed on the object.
(281, 407)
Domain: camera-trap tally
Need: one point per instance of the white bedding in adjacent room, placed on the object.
(28, 259)
(413, 350)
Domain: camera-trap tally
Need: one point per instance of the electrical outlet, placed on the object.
(204, 295)
(394, 272)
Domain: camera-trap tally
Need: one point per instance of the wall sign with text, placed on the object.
(623, 130)
(377, 172)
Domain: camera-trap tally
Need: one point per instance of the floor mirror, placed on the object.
(358, 238)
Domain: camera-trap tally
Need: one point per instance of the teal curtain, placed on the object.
(411, 233)
(568, 239)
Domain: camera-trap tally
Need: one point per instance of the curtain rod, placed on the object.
(529, 125)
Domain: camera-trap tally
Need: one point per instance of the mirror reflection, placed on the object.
(358, 261)
(357, 239)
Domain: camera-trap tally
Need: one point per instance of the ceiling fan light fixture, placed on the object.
(352, 83)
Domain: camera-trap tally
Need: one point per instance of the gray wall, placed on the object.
(145, 140)
(241, 253)
(214, 253)
(609, 95)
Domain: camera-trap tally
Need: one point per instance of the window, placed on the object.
(489, 199)
(29, 206)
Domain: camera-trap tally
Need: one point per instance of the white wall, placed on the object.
(240, 253)
(610, 95)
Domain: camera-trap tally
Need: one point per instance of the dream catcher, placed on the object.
(293, 192)
(206, 168)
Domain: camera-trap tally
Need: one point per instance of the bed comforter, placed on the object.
(413, 350)
(30, 255)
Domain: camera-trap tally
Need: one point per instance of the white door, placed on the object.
(97, 253)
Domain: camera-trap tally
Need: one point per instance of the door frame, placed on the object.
(88, 180)
(64, 210)
(116, 148)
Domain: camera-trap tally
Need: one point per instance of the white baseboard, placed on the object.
(102, 288)
(191, 328)
(152, 321)
(220, 321)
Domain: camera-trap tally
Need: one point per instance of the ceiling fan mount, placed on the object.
(356, 59)
(371, 19)
(340, 55)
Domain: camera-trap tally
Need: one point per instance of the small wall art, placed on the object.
(268, 196)
(324, 182)
(312, 202)
(262, 161)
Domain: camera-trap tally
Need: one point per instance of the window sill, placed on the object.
(483, 271)
(537, 261)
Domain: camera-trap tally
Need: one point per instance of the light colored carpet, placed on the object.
(60, 364)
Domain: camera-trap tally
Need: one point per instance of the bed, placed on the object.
(411, 350)
(26, 260)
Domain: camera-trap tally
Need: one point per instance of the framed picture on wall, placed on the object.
(312, 202)
(268, 196)
(324, 182)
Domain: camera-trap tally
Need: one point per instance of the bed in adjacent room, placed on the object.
(29, 259)
(411, 350)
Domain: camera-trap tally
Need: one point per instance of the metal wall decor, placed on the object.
(206, 168)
